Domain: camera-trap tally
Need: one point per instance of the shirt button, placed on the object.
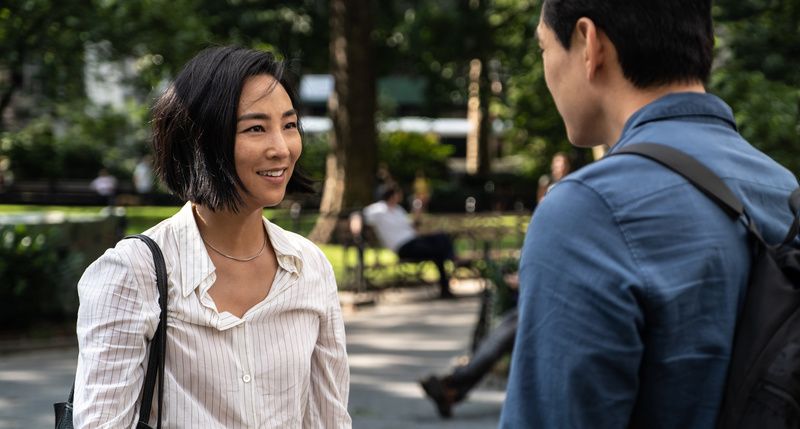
(246, 378)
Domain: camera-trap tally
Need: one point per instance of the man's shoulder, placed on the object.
(375, 208)
(609, 175)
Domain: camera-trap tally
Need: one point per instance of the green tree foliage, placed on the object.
(535, 129)
(43, 57)
(437, 39)
(39, 274)
(43, 39)
(417, 152)
(90, 138)
(758, 72)
(42, 44)
(162, 42)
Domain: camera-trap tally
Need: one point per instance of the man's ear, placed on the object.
(593, 44)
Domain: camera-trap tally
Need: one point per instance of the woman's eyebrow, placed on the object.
(264, 116)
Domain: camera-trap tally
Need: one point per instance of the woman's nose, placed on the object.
(278, 147)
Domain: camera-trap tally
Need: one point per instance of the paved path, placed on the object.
(30, 382)
(404, 337)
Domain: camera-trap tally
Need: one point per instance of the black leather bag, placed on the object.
(158, 347)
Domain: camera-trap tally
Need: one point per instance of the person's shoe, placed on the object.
(440, 394)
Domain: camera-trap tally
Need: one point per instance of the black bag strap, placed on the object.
(794, 204)
(698, 174)
(707, 182)
(158, 345)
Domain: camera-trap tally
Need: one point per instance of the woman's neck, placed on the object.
(240, 233)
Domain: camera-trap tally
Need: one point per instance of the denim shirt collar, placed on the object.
(680, 104)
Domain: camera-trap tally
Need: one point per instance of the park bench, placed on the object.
(75, 192)
(477, 238)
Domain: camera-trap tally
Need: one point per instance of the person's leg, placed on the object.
(434, 247)
(448, 390)
(499, 342)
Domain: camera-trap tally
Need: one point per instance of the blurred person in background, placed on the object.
(143, 175)
(105, 185)
(396, 231)
(559, 167)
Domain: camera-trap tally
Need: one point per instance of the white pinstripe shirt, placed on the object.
(282, 365)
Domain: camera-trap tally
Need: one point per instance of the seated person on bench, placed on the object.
(396, 232)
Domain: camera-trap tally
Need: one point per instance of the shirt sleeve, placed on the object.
(114, 327)
(578, 347)
(330, 370)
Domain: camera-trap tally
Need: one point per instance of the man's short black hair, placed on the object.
(658, 42)
(194, 125)
(389, 191)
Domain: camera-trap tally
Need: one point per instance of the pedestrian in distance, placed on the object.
(631, 279)
(255, 336)
(559, 167)
(143, 175)
(105, 184)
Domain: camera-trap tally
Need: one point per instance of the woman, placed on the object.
(255, 336)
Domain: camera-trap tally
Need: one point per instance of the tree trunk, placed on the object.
(479, 157)
(484, 129)
(15, 81)
(350, 169)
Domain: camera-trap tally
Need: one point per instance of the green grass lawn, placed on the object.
(141, 218)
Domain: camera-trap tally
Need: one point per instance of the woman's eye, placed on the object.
(290, 125)
(254, 129)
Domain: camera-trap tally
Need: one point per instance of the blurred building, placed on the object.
(404, 97)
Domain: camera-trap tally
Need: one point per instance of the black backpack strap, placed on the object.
(158, 345)
(794, 204)
(698, 175)
(695, 172)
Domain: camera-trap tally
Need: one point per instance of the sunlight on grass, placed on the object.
(141, 218)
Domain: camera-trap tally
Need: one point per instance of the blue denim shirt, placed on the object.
(630, 279)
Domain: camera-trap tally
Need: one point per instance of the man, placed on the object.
(395, 231)
(630, 278)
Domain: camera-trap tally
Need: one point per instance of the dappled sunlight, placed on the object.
(380, 360)
(406, 337)
(406, 343)
(408, 389)
(29, 376)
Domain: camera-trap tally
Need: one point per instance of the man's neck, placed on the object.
(630, 100)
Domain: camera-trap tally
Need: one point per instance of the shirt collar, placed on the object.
(681, 104)
(197, 269)
(286, 249)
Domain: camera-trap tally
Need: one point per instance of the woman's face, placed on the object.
(268, 141)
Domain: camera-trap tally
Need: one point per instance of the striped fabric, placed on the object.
(282, 365)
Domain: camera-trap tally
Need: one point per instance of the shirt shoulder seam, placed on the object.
(625, 235)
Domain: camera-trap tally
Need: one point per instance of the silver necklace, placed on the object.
(248, 259)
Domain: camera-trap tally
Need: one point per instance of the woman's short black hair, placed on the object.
(194, 125)
(658, 42)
